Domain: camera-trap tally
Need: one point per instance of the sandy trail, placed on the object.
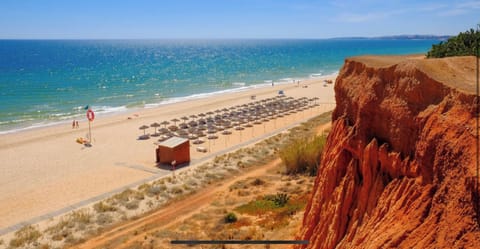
(170, 214)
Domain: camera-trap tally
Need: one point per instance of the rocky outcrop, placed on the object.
(399, 166)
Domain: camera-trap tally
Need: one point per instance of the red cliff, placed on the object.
(399, 167)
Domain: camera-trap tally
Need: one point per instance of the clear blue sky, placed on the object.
(72, 19)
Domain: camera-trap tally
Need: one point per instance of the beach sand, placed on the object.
(45, 172)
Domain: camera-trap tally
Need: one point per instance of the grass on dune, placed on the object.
(303, 155)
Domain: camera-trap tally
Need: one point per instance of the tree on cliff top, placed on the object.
(464, 43)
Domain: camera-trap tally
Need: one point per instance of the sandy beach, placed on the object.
(45, 172)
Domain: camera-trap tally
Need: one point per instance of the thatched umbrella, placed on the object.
(226, 133)
(175, 120)
(210, 114)
(173, 128)
(184, 118)
(165, 123)
(240, 129)
(198, 141)
(193, 116)
(183, 126)
(211, 137)
(192, 123)
(211, 130)
(144, 127)
(200, 134)
(155, 125)
(163, 130)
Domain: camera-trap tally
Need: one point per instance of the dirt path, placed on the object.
(122, 235)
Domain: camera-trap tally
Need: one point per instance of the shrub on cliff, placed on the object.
(230, 218)
(303, 155)
(464, 43)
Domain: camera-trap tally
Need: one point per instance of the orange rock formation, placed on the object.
(399, 167)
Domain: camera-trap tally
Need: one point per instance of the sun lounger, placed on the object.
(201, 149)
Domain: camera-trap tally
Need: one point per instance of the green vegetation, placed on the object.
(281, 199)
(303, 155)
(257, 207)
(24, 236)
(464, 43)
(230, 218)
(269, 203)
(274, 211)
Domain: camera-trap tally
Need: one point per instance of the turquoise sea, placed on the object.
(43, 82)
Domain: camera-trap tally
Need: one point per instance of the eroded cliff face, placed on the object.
(399, 167)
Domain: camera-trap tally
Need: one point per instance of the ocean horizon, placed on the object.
(45, 82)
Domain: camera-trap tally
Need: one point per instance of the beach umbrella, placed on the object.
(182, 133)
(211, 130)
(192, 123)
(173, 128)
(163, 130)
(184, 118)
(144, 127)
(202, 121)
(175, 120)
(155, 126)
(183, 126)
(165, 123)
(209, 114)
(193, 116)
(198, 141)
(211, 137)
(226, 132)
(240, 129)
(200, 134)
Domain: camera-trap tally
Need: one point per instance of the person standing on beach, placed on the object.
(73, 124)
(76, 124)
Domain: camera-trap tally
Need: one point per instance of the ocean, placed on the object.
(44, 82)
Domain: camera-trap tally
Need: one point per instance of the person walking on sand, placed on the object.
(76, 124)
(73, 124)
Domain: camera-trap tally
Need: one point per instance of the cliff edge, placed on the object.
(399, 167)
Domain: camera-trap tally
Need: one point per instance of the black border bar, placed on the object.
(240, 242)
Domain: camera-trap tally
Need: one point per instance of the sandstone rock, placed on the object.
(399, 167)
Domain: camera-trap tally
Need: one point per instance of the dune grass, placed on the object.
(303, 155)
(25, 236)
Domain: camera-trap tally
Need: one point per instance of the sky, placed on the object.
(230, 19)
